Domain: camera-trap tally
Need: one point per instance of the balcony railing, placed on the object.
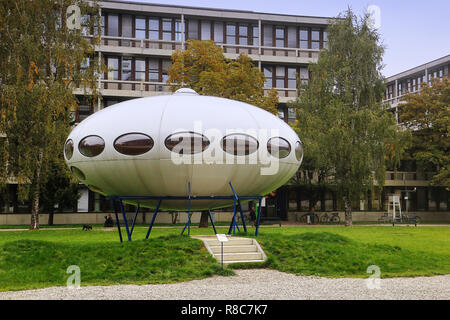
(228, 48)
(137, 86)
(283, 92)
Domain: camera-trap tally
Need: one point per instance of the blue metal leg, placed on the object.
(242, 216)
(117, 220)
(258, 218)
(134, 220)
(212, 222)
(188, 223)
(125, 220)
(153, 218)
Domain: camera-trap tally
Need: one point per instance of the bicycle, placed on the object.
(334, 218)
(313, 218)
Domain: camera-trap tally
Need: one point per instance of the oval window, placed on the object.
(78, 173)
(133, 144)
(299, 151)
(278, 147)
(91, 146)
(68, 149)
(187, 142)
(239, 144)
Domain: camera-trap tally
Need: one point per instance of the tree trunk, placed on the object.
(50, 216)
(348, 212)
(35, 194)
(204, 219)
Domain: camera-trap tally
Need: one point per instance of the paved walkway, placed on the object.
(255, 284)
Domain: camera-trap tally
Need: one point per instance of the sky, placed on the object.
(413, 32)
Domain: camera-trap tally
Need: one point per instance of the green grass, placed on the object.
(35, 259)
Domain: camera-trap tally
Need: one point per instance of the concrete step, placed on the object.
(241, 261)
(231, 249)
(230, 242)
(239, 256)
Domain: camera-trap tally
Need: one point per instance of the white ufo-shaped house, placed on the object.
(157, 146)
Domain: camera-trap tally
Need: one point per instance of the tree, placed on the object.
(204, 68)
(60, 188)
(347, 133)
(41, 61)
(427, 115)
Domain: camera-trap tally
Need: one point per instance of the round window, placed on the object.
(91, 146)
(187, 142)
(68, 149)
(133, 144)
(278, 147)
(239, 144)
(298, 150)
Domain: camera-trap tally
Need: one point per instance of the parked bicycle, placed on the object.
(334, 218)
(313, 218)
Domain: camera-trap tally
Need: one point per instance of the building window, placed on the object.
(325, 40)
(178, 31)
(231, 33)
(278, 147)
(292, 37)
(255, 36)
(218, 32)
(84, 111)
(165, 68)
(153, 28)
(113, 25)
(126, 69)
(127, 26)
(315, 39)
(193, 29)
(133, 144)
(304, 38)
(279, 37)
(167, 29)
(268, 37)
(187, 142)
(206, 30)
(279, 76)
(153, 70)
(304, 76)
(91, 146)
(113, 69)
(292, 77)
(140, 28)
(243, 35)
(239, 144)
(268, 72)
(139, 73)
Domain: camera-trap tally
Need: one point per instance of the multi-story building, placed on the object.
(414, 186)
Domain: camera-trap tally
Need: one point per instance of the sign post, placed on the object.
(222, 238)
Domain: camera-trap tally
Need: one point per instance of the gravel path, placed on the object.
(254, 284)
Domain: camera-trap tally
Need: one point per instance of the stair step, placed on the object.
(242, 261)
(230, 242)
(239, 256)
(232, 249)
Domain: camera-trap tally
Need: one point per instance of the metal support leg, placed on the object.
(117, 220)
(134, 220)
(242, 216)
(125, 219)
(188, 223)
(212, 222)
(153, 219)
(258, 218)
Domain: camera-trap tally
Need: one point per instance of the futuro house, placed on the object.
(156, 146)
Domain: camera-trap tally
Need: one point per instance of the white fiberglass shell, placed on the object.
(155, 173)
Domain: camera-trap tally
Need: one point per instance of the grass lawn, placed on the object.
(35, 259)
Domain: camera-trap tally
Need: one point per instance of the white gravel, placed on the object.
(251, 285)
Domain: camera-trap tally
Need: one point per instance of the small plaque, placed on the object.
(222, 237)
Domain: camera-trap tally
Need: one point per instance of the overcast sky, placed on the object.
(414, 32)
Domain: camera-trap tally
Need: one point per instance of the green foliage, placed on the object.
(40, 64)
(347, 134)
(204, 68)
(427, 115)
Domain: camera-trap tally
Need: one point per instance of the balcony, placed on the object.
(407, 179)
(284, 94)
(130, 89)
(123, 45)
